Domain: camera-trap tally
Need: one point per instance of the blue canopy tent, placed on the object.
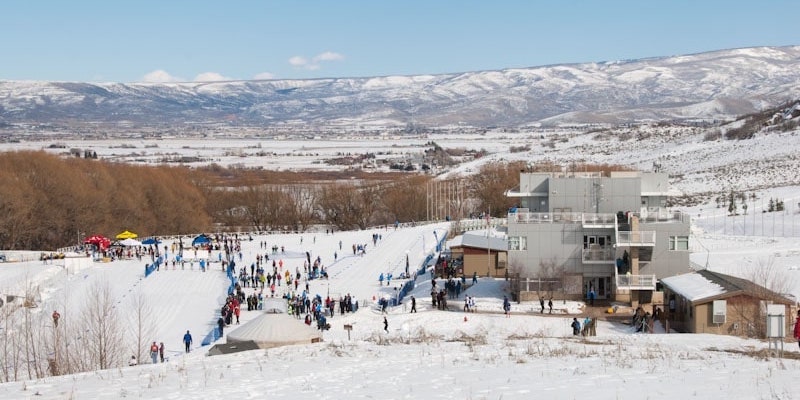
(150, 240)
(202, 239)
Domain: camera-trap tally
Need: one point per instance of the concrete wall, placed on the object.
(665, 262)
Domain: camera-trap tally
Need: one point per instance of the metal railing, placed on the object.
(602, 219)
(636, 238)
(598, 254)
(662, 215)
(466, 225)
(545, 218)
(647, 282)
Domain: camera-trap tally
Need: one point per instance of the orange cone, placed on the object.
(465, 318)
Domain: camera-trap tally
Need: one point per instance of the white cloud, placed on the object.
(328, 56)
(298, 61)
(315, 62)
(211, 77)
(160, 76)
(264, 75)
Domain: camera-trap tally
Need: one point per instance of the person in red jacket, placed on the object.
(797, 328)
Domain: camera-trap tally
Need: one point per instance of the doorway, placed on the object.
(600, 284)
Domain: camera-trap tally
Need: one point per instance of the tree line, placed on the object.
(50, 201)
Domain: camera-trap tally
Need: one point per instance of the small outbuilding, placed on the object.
(481, 254)
(273, 328)
(710, 302)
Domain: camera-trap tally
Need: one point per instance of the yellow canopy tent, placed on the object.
(127, 235)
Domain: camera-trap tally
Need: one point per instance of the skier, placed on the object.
(161, 351)
(385, 324)
(187, 340)
(413, 304)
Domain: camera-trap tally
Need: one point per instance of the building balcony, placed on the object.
(595, 220)
(598, 255)
(659, 214)
(636, 282)
(636, 238)
(589, 220)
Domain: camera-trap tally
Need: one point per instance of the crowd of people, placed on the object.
(270, 276)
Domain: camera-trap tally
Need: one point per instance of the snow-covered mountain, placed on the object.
(713, 85)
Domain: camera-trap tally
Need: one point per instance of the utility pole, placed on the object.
(488, 246)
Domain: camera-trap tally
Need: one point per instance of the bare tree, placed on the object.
(103, 336)
(771, 277)
(550, 276)
(301, 206)
(404, 200)
(347, 206)
(8, 358)
(142, 323)
(490, 185)
(771, 281)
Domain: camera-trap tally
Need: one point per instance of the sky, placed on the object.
(182, 40)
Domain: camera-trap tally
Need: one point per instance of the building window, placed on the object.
(518, 243)
(679, 243)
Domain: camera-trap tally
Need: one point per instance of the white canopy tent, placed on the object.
(130, 242)
(275, 328)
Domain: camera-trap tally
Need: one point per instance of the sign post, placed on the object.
(776, 326)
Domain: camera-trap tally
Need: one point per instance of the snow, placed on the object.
(693, 286)
(448, 354)
(428, 354)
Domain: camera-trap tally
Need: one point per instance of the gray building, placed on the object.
(611, 233)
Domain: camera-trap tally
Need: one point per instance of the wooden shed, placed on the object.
(710, 302)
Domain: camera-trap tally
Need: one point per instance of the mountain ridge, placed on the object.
(714, 85)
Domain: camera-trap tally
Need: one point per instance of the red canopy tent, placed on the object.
(100, 241)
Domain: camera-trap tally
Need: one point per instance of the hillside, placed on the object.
(707, 86)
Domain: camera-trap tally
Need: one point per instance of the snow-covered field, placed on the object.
(451, 354)
(429, 354)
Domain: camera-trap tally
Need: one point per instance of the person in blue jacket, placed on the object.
(187, 340)
(576, 327)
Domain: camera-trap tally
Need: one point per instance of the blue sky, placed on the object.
(183, 40)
